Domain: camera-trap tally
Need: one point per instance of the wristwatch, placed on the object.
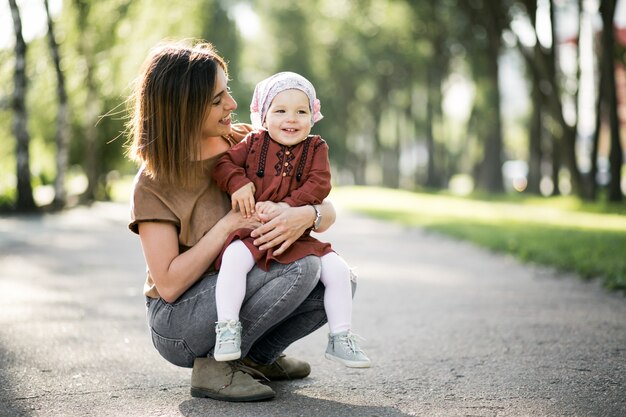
(318, 217)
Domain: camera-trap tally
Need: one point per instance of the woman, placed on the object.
(180, 125)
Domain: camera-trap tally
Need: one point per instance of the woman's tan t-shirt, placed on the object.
(193, 210)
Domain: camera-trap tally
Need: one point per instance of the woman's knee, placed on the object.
(281, 289)
(310, 266)
(305, 271)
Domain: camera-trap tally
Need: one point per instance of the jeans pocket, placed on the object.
(174, 351)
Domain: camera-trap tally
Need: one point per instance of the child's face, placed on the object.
(288, 118)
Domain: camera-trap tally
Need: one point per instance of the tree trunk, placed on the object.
(432, 178)
(565, 141)
(25, 201)
(572, 133)
(589, 181)
(91, 162)
(488, 172)
(393, 169)
(490, 177)
(535, 155)
(595, 141)
(62, 129)
(535, 131)
(607, 10)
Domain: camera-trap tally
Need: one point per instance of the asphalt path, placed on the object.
(452, 330)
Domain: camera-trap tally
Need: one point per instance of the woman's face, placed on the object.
(217, 121)
(288, 118)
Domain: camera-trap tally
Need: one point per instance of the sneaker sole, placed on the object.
(224, 357)
(349, 364)
(204, 393)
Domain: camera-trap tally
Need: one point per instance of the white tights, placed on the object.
(230, 289)
(338, 292)
(237, 261)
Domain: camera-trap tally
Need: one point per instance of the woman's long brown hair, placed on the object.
(170, 101)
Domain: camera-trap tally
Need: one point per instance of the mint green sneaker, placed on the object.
(227, 341)
(343, 348)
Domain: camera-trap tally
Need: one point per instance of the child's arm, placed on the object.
(243, 199)
(229, 173)
(230, 176)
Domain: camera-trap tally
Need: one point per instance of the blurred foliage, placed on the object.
(383, 70)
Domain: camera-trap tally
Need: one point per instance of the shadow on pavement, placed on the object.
(284, 405)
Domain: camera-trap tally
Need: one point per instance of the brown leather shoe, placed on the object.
(283, 368)
(226, 381)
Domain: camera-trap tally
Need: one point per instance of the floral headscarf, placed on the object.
(266, 90)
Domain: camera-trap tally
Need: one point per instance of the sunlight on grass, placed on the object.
(560, 235)
(424, 209)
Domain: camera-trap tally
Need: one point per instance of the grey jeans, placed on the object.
(281, 306)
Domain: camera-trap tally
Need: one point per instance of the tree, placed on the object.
(607, 11)
(436, 32)
(565, 138)
(62, 128)
(536, 129)
(548, 97)
(25, 200)
(96, 44)
(218, 28)
(490, 21)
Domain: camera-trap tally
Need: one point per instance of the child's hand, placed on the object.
(243, 199)
(269, 207)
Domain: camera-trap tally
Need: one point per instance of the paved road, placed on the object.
(452, 331)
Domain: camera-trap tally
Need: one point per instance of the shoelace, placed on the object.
(231, 326)
(351, 341)
(239, 366)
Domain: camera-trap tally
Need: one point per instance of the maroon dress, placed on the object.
(297, 175)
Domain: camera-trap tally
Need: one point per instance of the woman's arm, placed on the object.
(174, 272)
(283, 227)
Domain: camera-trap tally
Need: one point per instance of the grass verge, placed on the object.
(554, 232)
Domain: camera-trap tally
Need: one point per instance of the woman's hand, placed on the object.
(233, 220)
(282, 226)
(286, 224)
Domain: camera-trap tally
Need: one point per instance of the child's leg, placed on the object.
(342, 343)
(335, 276)
(230, 288)
(230, 291)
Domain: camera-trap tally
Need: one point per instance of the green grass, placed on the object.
(589, 239)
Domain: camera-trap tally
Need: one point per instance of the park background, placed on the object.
(499, 122)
